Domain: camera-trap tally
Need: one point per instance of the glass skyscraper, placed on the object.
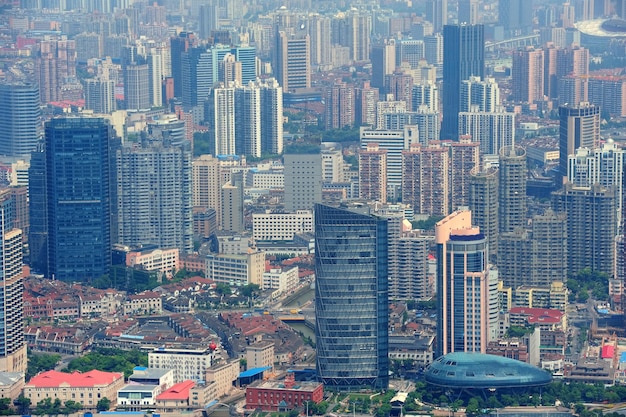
(351, 298)
(20, 119)
(78, 197)
(463, 57)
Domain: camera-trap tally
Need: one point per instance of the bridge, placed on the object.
(512, 43)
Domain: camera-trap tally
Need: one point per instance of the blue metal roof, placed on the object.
(622, 357)
(253, 372)
(476, 370)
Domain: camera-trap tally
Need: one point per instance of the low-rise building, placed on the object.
(176, 398)
(260, 355)
(147, 302)
(544, 318)
(223, 376)
(283, 280)
(413, 348)
(187, 364)
(236, 270)
(11, 384)
(86, 388)
(136, 397)
(282, 395)
(162, 260)
(281, 226)
(164, 378)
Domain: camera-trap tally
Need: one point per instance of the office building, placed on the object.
(236, 269)
(493, 131)
(463, 57)
(154, 198)
(483, 203)
(198, 75)
(579, 128)
(536, 256)
(437, 14)
(591, 226)
(464, 157)
(12, 343)
(468, 11)
(383, 62)
(527, 75)
(512, 189)
(292, 66)
(479, 95)
(179, 45)
(373, 173)
(433, 50)
(208, 18)
(20, 119)
(188, 364)
(137, 86)
(303, 181)
(467, 311)
(516, 16)
(78, 196)
(410, 51)
(425, 176)
(100, 95)
(351, 303)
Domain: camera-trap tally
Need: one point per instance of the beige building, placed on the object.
(222, 377)
(11, 384)
(260, 355)
(147, 302)
(236, 269)
(86, 388)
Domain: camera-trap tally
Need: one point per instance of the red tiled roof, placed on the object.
(53, 379)
(536, 312)
(608, 351)
(178, 391)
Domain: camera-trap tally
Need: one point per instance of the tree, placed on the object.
(23, 404)
(473, 408)
(71, 407)
(103, 404)
(250, 290)
(223, 289)
(39, 362)
(5, 407)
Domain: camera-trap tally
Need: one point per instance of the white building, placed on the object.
(492, 130)
(281, 280)
(268, 180)
(187, 363)
(163, 260)
(224, 120)
(332, 165)
(236, 269)
(136, 397)
(281, 226)
(484, 94)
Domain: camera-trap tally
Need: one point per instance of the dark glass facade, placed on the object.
(351, 299)
(78, 197)
(463, 56)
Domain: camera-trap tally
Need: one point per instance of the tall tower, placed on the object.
(293, 61)
(20, 119)
(425, 179)
(100, 95)
(437, 13)
(383, 62)
(579, 128)
(224, 120)
(179, 45)
(206, 183)
(208, 18)
(248, 120)
(154, 195)
(463, 57)
(468, 11)
(12, 343)
(373, 173)
(527, 74)
(479, 95)
(137, 86)
(78, 197)
(483, 203)
(467, 291)
(351, 299)
(512, 189)
(271, 117)
(464, 157)
(516, 16)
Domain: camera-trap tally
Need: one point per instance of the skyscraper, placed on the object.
(468, 11)
(351, 299)
(483, 203)
(78, 197)
(492, 131)
(579, 128)
(224, 120)
(527, 73)
(12, 343)
(271, 117)
(292, 61)
(383, 62)
(425, 179)
(100, 95)
(137, 86)
(467, 290)
(437, 14)
(516, 16)
(248, 120)
(208, 18)
(512, 189)
(179, 45)
(479, 95)
(464, 157)
(154, 195)
(373, 173)
(206, 183)
(20, 119)
(463, 57)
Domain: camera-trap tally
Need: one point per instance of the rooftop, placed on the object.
(54, 379)
(178, 391)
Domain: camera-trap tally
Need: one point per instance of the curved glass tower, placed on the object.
(351, 298)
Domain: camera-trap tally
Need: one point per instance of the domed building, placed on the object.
(479, 371)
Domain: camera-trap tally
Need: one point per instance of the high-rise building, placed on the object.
(100, 95)
(512, 189)
(591, 226)
(609, 93)
(399, 85)
(38, 212)
(271, 117)
(339, 106)
(20, 119)
(467, 312)
(516, 16)
(573, 90)
(409, 276)
(155, 79)
(154, 195)
(468, 11)
(366, 100)
(481, 95)
(425, 175)
(463, 57)
(351, 302)
(483, 203)
(78, 194)
(535, 256)
(232, 205)
(437, 14)
(224, 119)
(12, 343)
(292, 65)
(248, 120)
(320, 34)
(427, 122)
(179, 45)
(410, 51)
(137, 86)
(383, 62)
(492, 131)
(433, 50)
(55, 63)
(303, 181)
(527, 73)
(373, 173)
(206, 183)
(464, 157)
(208, 18)
(425, 94)
(579, 128)
(359, 32)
